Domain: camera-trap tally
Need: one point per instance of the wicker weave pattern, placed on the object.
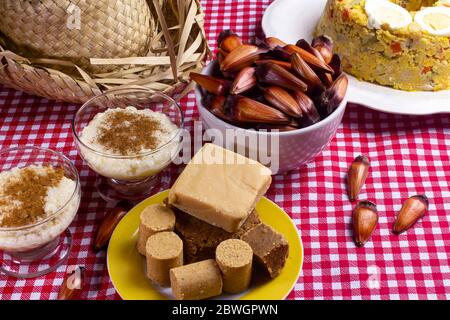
(49, 77)
(53, 85)
(108, 29)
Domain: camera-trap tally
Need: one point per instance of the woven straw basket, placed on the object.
(71, 50)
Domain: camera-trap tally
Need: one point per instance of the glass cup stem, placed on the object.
(36, 254)
(114, 190)
(37, 262)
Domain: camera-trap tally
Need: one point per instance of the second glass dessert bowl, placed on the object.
(39, 197)
(128, 136)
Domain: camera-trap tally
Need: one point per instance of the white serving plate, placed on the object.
(291, 20)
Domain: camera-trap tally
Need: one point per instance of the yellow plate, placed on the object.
(126, 265)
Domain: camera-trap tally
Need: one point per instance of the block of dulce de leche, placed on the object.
(196, 281)
(155, 218)
(220, 187)
(270, 248)
(164, 251)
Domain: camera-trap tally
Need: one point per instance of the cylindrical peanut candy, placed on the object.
(234, 258)
(196, 281)
(155, 218)
(164, 251)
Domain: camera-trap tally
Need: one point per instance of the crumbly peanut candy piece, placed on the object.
(220, 187)
(270, 248)
(155, 218)
(234, 258)
(164, 251)
(196, 281)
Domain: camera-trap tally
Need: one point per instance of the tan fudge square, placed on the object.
(220, 187)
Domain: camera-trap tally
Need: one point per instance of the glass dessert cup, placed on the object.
(131, 177)
(36, 249)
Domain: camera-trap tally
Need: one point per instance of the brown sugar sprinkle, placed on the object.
(30, 190)
(127, 133)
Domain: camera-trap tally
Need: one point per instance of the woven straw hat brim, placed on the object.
(176, 45)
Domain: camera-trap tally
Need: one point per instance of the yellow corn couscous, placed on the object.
(407, 58)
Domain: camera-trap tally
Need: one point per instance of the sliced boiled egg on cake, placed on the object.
(386, 13)
(445, 3)
(434, 20)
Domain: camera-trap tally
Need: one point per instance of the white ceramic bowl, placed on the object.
(296, 148)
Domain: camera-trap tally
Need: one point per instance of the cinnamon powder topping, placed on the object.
(128, 133)
(29, 191)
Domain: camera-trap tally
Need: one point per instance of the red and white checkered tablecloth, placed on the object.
(408, 155)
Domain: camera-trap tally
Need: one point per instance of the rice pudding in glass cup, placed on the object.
(39, 198)
(128, 136)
